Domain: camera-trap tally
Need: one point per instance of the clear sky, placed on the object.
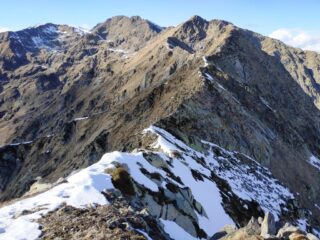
(263, 16)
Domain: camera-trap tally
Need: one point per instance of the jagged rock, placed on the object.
(144, 212)
(253, 227)
(102, 222)
(286, 230)
(182, 212)
(297, 236)
(38, 187)
(268, 227)
(218, 235)
(241, 234)
(227, 229)
(311, 237)
(252, 230)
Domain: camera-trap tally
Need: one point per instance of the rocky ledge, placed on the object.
(263, 228)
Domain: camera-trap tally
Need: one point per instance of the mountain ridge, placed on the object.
(199, 81)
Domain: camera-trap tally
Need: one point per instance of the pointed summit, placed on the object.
(196, 22)
(197, 19)
(193, 29)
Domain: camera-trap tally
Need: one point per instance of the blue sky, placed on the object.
(263, 16)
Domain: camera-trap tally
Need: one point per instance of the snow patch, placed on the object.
(125, 54)
(302, 224)
(265, 102)
(80, 119)
(175, 231)
(117, 50)
(208, 76)
(82, 189)
(143, 233)
(82, 30)
(205, 192)
(37, 41)
(206, 63)
(211, 79)
(249, 181)
(20, 143)
(314, 161)
(50, 30)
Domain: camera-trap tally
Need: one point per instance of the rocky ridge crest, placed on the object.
(69, 97)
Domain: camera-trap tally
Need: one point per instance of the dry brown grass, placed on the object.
(121, 180)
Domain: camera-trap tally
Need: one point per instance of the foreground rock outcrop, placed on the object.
(165, 189)
(114, 221)
(266, 229)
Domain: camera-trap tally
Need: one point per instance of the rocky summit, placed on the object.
(134, 131)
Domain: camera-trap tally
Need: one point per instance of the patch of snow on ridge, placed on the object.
(38, 41)
(302, 224)
(248, 180)
(314, 161)
(143, 233)
(82, 30)
(80, 119)
(81, 190)
(206, 63)
(208, 76)
(265, 102)
(20, 143)
(117, 50)
(175, 231)
(205, 192)
(50, 30)
(211, 79)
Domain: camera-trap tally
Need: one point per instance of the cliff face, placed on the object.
(240, 111)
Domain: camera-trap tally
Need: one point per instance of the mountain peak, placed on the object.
(192, 30)
(196, 21)
(197, 18)
(128, 33)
